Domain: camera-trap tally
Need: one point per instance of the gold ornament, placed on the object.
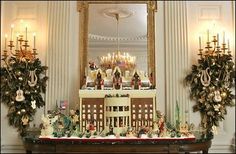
(217, 107)
(211, 95)
(223, 95)
(20, 78)
(18, 73)
(27, 92)
(212, 88)
(23, 110)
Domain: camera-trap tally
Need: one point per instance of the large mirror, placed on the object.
(124, 28)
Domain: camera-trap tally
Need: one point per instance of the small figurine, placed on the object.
(90, 127)
(130, 132)
(46, 129)
(110, 131)
(92, 65)
(184, 129)
(142, 131)
(99, 82)
(136, 81)
(161, 124)
(60, 129)
(117, 80)
(74, 117)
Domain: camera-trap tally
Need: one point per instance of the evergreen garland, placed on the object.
(211, 81)
(16, 73)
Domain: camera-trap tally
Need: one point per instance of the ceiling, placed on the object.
(133, 27)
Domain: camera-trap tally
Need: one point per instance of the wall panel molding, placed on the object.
(209, 12)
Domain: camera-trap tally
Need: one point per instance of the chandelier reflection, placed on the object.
(123, 60)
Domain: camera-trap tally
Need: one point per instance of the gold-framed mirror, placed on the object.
(84, 34)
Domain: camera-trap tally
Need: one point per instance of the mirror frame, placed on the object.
(82, 8)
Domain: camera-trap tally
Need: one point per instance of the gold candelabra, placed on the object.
(21, 47)
(214, 49)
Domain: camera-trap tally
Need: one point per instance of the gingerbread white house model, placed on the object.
(119, 109)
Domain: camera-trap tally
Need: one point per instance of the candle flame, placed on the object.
(6, 35)
(34, 34)
(12, 25)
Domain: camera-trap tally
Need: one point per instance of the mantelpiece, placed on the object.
(124, 108)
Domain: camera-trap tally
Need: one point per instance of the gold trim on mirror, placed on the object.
(83, 6)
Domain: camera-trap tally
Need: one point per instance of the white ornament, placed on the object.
(20, 95)
(205, 77)
(33, 104)
(217, 97)
(33, 77)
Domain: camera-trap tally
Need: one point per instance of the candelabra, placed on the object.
(21, 47)
(125, 61)
(215, 49)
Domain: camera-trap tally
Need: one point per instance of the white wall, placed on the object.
(198, 14)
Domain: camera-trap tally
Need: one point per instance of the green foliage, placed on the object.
(177, 116)
(15, 74)
(222, 79)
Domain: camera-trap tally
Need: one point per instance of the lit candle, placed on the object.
(217, 39)
(34, 39)
(5, 41)
(228, 45)
(199, 42)
(208, 35)
(25, 32)
(224, 37)
(12, 26)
